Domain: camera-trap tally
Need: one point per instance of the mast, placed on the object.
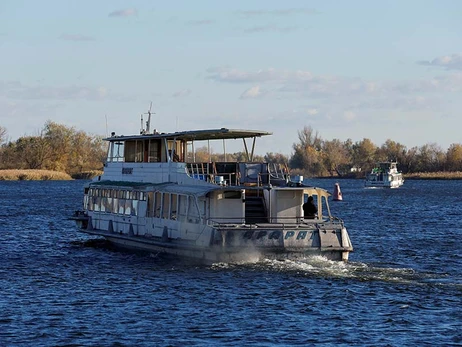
(148, 122)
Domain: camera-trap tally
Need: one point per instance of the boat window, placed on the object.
(96, 203)
(115, 205)
(90, 203)
(134, 208)
(108, 204)
(193, 216)
(116, 153)
(130, 151)
(139, 151)
(154, 151)
(173, 206)
(182, 207)
(128, 207)
(150, 205)
(166, 206)
(121, 206)
(85, 202)
(103, 204)
(157, 205)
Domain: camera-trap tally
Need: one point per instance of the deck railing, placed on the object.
(237, 174)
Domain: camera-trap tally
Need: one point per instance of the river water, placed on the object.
(401, 287)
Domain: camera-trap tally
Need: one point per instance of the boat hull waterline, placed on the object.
(245, 245)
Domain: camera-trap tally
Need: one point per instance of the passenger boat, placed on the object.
(154, 196)
(384, 175)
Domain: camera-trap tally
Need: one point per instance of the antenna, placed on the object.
(105, 116)
(141, 129)
(148, 122)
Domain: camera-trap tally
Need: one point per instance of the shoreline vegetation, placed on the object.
(47, 175)
(44, 175)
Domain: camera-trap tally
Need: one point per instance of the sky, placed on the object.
(348, 69)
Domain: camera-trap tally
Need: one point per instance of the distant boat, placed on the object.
(384, 175)
(155, 196)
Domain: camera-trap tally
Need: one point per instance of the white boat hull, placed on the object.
(244, 243)
(384, 175)
(154, 196)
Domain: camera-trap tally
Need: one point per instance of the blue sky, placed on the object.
(349, 69)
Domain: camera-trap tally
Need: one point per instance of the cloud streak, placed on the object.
(18, 91)
(128, 12)
(450, 62)
(232, 75)
(252, 93)
(269, 28)
(182, 93)
(280, 12)
(354, 95)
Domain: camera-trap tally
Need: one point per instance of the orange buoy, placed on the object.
(337, 193)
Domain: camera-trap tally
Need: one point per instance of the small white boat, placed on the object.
(384, 175)
(154, 196)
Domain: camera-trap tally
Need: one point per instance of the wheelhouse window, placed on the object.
(154, 151)
(116, 151)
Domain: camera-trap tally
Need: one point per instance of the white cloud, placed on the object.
(450, 62)
(349, 115)
(304, 85)
(312, 111)
(252, 93)
(128, 12)
(231, 75)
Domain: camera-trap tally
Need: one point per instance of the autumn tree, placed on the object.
(307, 152)
(454, 157)
(363, 155)
(3, 134)
(429, 158)
(335, 156)
(32, 152)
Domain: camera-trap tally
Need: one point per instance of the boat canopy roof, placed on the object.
(195, 135)
(167, 187)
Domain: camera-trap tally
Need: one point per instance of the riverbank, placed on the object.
(43, 175)
(455, 175)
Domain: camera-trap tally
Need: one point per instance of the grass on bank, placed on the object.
(442, 175)
(43, 175)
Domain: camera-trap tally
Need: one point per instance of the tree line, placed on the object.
(61, 148)
(56, 147)
(313, 156)
(318, 157)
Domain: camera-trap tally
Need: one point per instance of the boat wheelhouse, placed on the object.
(384, 175)
(154, 196)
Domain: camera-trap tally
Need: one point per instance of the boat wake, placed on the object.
(321, 267)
